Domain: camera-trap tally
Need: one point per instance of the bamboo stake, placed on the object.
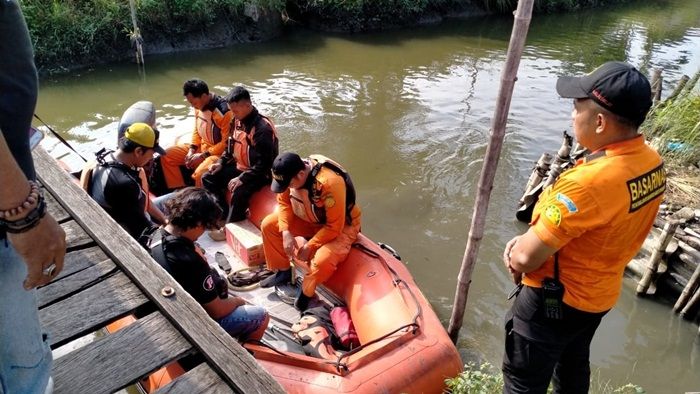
(688, 290)
(523, 14)
(691, 304)
(679, 88)
(136, 34)
(652, 266)
(656, 85)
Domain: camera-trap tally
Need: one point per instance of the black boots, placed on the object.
(280, 278)
(302, 301)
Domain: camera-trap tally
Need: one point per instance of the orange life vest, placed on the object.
(242, 142)
(209, 125)
(306, 201)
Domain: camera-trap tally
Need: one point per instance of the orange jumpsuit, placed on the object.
(320, 218)
(211, 129)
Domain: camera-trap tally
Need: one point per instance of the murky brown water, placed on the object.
(408, 113)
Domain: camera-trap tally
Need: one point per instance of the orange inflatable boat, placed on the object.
(404, 347)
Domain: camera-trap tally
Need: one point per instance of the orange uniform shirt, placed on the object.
(598, 214)
(328, 197)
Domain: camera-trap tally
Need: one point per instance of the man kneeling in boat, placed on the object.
(191, 212)
(317, 202)
(118, 183)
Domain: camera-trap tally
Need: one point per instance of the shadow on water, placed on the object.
(408, 113)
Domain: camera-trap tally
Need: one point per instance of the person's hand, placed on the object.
(304, 252)
(516, 276)
(195, 160)
(289, 243)
(40, 248)
(216, 167)
(188, 157)
(234, 183)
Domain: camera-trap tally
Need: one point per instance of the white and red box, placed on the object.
(246, 241)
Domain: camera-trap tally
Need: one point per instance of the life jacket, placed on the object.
(209, 120)
(86, 176)
(306, 201)
(239, 142)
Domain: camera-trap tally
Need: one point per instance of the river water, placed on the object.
(408, 113)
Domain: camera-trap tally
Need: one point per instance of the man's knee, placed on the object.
(270, 224)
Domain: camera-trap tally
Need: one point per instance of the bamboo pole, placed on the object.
(678, 89)
(521, 24)
(688, 290)
(136, 34)
(656, 85)
(652, 266)
(691, 304)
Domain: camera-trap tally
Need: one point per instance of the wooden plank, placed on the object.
(91, 309)
(226, 355)
(120, 359)
(79, 260)
(75, 235)
(55, 209)
(201, 379)
(74, 283)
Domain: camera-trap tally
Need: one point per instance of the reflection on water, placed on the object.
(408, 113)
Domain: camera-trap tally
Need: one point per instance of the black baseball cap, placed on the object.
(284, 168)
(615, 86)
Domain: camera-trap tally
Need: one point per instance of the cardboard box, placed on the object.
(246, 241)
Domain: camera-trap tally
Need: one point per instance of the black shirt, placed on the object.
(264, 147)
(178, 255)
(117, 188)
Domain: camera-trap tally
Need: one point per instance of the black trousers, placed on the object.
(538, 349)
(240, 198)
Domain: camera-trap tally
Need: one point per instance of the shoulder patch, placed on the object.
(553, 214)
(329, 202)
(646, 187)
(208, 283)
(568, 203)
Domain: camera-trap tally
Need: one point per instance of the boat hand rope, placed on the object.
(340, 366)
(397, 281)
(63, 140)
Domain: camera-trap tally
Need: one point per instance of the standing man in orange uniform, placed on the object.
(317, 202)
(585, 229)
(212, 123)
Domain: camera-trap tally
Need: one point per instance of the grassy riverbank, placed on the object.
(74, 34)
(674, 129)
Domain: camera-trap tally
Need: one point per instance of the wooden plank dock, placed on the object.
(107, 276)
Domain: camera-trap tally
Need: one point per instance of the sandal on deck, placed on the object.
(247, 278)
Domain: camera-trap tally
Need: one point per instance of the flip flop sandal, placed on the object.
(247, 278)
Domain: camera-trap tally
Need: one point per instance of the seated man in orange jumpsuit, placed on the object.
(317, 202)
(212, 123)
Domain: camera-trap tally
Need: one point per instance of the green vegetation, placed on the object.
(77, 33)
(82, 32)
(487, 380)
(674, 126)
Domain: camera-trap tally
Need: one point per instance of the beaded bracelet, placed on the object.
(28, 222)
(30, 201)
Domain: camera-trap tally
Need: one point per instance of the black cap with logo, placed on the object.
(285, 167)
(615, 86)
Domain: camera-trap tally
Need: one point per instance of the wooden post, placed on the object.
(523, 14)
(688, 290)
(691, 304)
(656, 85)
(136, 34)
(652, 266)
(679, 88)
